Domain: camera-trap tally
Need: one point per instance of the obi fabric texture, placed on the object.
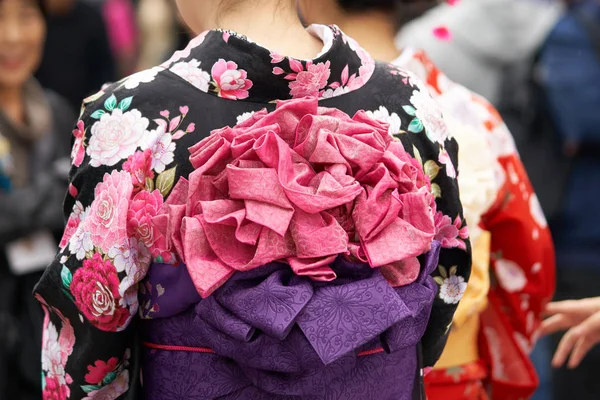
(245, 225)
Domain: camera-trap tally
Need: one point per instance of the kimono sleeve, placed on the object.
(89, 291)
(427, 136)
(522, 260)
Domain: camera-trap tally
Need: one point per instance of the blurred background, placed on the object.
(54, 53)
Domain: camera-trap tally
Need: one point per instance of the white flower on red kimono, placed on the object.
(510, 276)
(536, 211)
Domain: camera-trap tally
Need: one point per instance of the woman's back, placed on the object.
(245, 292)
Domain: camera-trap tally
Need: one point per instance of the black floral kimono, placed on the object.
(244, 225)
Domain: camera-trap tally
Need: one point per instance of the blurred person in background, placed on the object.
(509, 233)
(122, 29)
(570, 79)
(487, 37)
(34, 152)
(77, 59)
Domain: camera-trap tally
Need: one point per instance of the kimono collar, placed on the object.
(231, 66)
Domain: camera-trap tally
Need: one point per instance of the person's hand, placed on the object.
(582, 318)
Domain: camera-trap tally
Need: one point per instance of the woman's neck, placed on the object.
(276, 27)
(12, 104)
(375, 31)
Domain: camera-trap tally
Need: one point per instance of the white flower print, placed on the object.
(452, 286)
(329, 93)
(162, 147)
(536, 211)
(453, 289)
(116, 136)
(430, 114)
(244, 117)
(81, 242)
(191, 72)
(127, 258)
(392, 119)
(510, 276)
(51, 352)
(146, 76)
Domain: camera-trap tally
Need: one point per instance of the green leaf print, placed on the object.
(98, 114)
(125, 103)
(415, 126)
(410, 110)
(90, 388)
(165, 181)
(66, 276)
(110, 103)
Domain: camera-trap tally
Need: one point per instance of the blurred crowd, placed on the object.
(537, 61)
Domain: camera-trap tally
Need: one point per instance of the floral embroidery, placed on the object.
(78, 152)
(117, 134)
(95, 288)
(244, 117)
(451, 234)
(144, 207)
(308, 82)
(191, 72)
(444, 158)
(452, 286)
(107, 380)
(56, 349)
(139, 166)
(392, 119)
(230, 82)
(146, 76)
(427, 115)
(106, 220)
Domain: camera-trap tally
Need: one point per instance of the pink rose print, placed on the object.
(311, 81)
(139, 165)
(55, 390)
(95, 287)
(231, 83)
(78, 151)
(144, 207)
(449, 233)
(99, 370)
(107, 217)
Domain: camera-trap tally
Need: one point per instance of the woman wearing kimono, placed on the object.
(233, 233)
(510, 237)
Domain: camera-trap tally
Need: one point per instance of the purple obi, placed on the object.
(270, 334)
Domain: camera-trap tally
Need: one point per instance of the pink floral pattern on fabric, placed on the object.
(96, 291)
(308, 82)
(107, 380)
(57, 346)
(107, 217)
(451, 233)
(144, 207)
(78, 151)
(277, 184)
(230, 82)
